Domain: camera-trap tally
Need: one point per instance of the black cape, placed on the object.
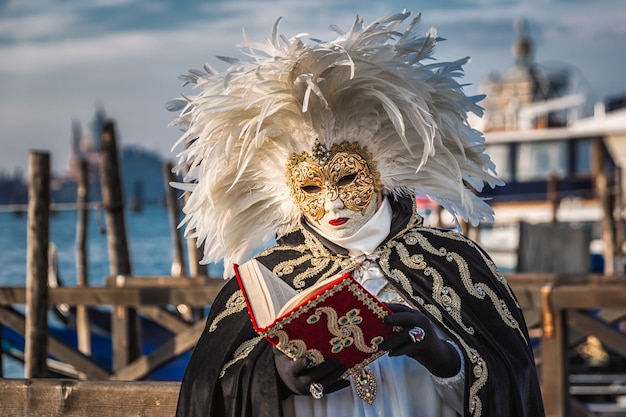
(231, 372)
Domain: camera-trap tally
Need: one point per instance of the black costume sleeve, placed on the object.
(231, 372)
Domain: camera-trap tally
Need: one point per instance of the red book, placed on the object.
(336, 317)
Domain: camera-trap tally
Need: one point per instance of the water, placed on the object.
(149, 239)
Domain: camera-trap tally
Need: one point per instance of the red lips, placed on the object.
(338, 222)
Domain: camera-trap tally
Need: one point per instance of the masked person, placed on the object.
(323, 145)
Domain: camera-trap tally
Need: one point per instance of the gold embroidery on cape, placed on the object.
(288, 267)
(240, 353)
(490, 264)
(323, 263)
(479, 367)
(401, 279)
(234, 304)
(443, 295)
(481, 373)
(449, 299)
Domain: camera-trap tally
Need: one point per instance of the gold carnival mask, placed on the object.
(346, 171)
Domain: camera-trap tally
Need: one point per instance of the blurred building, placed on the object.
(142, 171)
(560, 155)
(530, 95)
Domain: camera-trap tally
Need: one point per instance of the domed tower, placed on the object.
(526, 96)
(523, 47)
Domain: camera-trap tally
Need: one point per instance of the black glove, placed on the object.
(298, 377)
(438, 356)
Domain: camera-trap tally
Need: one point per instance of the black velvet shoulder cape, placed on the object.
(447, 276)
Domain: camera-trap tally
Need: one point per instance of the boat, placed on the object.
(561, 157)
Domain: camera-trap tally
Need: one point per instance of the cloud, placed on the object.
(38, 58)
(59, 57)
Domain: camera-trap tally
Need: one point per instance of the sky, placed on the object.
(60, 59)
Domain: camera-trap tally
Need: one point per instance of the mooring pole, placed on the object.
(124, 321)
(83, 331)
(178, 264)
(38, 233)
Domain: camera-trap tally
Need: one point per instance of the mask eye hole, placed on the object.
(345, 180)
(311, 189)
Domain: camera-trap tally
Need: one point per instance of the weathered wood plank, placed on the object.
(525, 279)
(70, 398)
(97, 296)
(201, 291)
(161, 281)
(178, 345)
(610, 337)
(83, 364)
(589, 296)
(165, 318)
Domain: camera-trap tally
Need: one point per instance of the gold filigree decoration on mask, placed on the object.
(347, 171)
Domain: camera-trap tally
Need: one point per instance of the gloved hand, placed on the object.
(438, 356)
(298, 377)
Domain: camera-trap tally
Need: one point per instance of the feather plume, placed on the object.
(370, 85)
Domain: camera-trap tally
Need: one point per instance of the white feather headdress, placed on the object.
(370, 85)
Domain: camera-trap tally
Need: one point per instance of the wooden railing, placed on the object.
(561, 310)
(72, 398)
(149, 298)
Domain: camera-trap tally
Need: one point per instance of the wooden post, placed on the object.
(194, 253)
(553, 196)
(82, 313)
(36, 335)
(607, 224)
(124, 321)
(439, 218)
(602, 193)
(620, 233)
(178, 266)
(1, 354)
(554, 358)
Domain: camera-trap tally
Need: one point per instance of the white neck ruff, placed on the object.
(368, 237)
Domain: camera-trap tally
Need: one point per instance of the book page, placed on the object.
(279, 292)
(266, 293)
(304, 295)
